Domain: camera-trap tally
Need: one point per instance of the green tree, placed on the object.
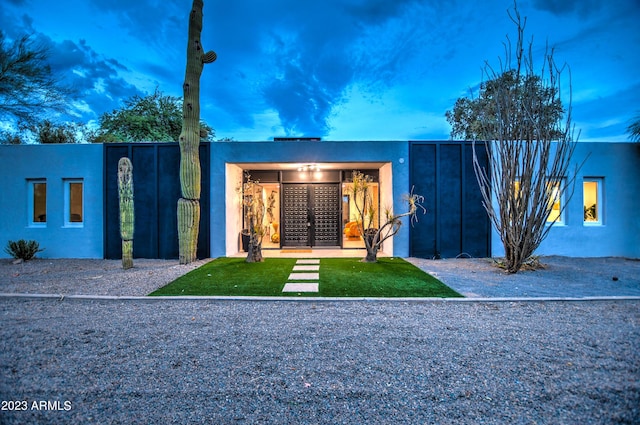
(634, 129)
(156, 117)
(28, 88)
(479, 119)
(47, 131)
(10, 138)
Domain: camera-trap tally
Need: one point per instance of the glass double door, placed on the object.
(311, 215)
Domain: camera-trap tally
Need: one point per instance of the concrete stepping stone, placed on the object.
(304, 276)
(300, 287)
(308, 261)
(307, 268)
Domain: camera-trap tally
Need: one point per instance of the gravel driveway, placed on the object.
(110, 361)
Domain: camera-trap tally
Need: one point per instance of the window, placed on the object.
(592, 201)
(37, 202)
(555, 198)
(73, 203)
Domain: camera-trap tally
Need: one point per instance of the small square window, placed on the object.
(592, 201)
(37, 202)
(73, 203)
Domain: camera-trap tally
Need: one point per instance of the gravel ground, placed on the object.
(208, 361)
(561, 277)
(90, 277)
(111, 361)
(477, 277)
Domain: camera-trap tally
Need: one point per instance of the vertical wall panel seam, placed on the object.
(156, 169)
(104, 200)
(437, 200)
(463, 191)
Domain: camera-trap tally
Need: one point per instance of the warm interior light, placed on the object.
(309, 168)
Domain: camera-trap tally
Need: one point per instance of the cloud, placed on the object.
(294, 58)
(599, 116)
(565, 7)
(97, 82)
(155, 23)
(290, 66)
(307, 55)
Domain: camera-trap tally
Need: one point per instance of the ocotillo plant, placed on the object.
(189, 204)
(125, 195)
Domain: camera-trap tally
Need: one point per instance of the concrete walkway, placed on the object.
(305, 277)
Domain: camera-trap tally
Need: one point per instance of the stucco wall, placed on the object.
(233, 209)
(53, 163)
(618, 164)
(223, 153)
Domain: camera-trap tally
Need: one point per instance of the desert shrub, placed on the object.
(22, 249)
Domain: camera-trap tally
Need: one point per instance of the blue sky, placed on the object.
(339, 69)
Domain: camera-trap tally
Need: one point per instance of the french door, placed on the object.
(311, 214)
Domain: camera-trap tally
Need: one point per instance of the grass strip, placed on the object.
(339, 277)
(389, 277)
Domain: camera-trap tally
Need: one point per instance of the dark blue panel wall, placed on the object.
(450, 212)
(455, 222)
(156, 179)
(422, 177)
(476, 227)
(145, 199)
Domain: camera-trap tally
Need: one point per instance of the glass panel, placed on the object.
(352, 237)
(554, 198)
(40, 202)
(591, 202)
(516, 189)
(271, 222)
(75, 203)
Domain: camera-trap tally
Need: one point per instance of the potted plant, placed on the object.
(367, 218)
(254, 210)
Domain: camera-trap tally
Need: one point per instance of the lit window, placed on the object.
(592, 200)
(73, 203)
(38, 203)
(555, 199)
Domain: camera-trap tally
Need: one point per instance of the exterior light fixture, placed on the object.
(309, 168)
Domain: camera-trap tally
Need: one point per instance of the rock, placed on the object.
(18, 261)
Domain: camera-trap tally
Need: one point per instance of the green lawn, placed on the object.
(339, 277)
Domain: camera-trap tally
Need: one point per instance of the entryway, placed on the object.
(311, 215)
(307, 206)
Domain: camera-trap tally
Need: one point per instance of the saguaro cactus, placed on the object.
(189, 204)
(125, 195)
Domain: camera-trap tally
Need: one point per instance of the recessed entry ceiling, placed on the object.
(321, 165)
